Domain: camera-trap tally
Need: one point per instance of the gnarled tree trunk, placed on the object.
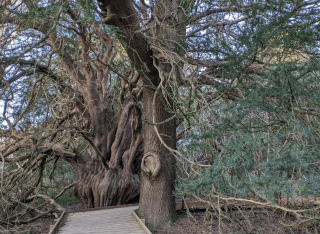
(116, 180)
(105, 188)
(157, 201)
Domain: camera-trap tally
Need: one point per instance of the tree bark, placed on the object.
(157, 201)
(117, 182)
(106, 188)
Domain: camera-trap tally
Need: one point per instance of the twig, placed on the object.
(2, 172)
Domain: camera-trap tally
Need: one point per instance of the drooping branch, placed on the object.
(48, 199)
(215, 24)
(36, 181)
(233, 9)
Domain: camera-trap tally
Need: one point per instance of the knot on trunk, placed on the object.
(151, 164)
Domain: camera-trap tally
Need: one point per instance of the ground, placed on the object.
(254, 223)
(240, 222)
(39, 226)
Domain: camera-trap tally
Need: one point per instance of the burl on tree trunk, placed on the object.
(157, 201)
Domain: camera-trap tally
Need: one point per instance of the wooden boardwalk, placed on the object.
(116, 221)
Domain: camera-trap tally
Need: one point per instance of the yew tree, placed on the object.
(104, 86)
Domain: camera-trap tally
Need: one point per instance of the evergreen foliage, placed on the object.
(268, 139)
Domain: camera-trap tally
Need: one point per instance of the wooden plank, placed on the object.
(101, 226)
(103, 216)
(108, 226)
(124, 215)
(56, 224)
(105, 232)
(116, 219)
(131, 223)
(101, 208)
(82, 222)
(141, 223)
(129, 229)
(104, 212)
(102, 221)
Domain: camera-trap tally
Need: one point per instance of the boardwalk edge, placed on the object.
(141, 222)
(56, 224)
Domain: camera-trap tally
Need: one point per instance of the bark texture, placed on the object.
(157, 202)
(110, 175)
(106, 188)
(116, 181)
